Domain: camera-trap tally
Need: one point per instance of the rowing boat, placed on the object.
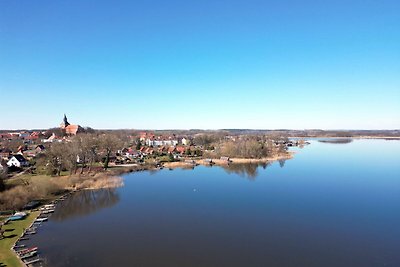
(27, 250)
(28, 255)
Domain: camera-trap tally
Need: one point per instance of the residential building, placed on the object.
(18, 161)
(185, 141)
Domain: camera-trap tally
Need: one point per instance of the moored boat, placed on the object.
(48, 211)
(28, 255)
(27, 250)
(17, 216)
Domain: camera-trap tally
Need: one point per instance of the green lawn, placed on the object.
(13, 232)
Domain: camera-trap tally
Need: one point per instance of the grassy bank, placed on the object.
(13, 230)
(27, 187)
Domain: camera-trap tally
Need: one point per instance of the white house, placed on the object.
(150, 142)
(18, 161)
(185, 141)
(50, 139)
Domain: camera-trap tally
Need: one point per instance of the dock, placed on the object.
(31, 256)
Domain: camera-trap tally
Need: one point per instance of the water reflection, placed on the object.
(86, 202)
(248, 170)
(336, 140)
(282, 162)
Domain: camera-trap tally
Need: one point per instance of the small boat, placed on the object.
(30, 232)
(47, 211)
(28, 255)
(47, 207)
(20, 214)
(41, 219)
(19, 246)
(17, 216)
(27, 250)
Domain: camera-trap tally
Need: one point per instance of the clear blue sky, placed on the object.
(201, 64)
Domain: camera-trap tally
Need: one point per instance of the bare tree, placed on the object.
(56, 157)
(109, 143)
(89, 150)
(73, 151)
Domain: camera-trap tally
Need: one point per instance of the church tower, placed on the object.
(65, 122)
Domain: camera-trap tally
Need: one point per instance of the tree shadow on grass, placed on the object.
(10, 236)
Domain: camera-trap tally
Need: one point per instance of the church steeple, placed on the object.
(65, 122)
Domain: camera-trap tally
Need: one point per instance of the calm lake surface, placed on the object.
(331, 205)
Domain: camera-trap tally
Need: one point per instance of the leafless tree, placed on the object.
(108, 143)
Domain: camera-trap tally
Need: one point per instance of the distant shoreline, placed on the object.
(351, 137)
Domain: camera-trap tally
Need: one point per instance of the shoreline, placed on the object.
(220, 162)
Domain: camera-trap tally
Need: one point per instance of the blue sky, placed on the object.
(200, 64)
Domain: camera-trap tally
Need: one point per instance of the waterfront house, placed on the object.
(122, 151)
(180, 149)
(171, 150)
(149, 151)
(18, 161)
(162, 150)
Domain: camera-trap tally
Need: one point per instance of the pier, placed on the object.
(30, 256)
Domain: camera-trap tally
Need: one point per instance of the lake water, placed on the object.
(331, 205)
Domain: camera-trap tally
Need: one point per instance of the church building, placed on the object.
(70, 129)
